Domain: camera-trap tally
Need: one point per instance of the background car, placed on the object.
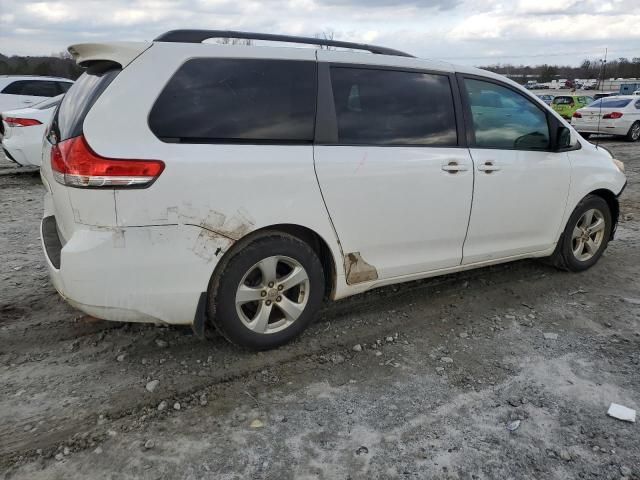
(566, 105)
(24, 131)
(24, 91)
(618, 115)
(546, 98)
(604, 94)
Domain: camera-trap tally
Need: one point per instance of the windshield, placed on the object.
(563, 101)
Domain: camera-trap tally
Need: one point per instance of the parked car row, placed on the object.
(27, 104)
(566, 105)
(604, 113)
(546, 98)
(536, 86)
(616, 115)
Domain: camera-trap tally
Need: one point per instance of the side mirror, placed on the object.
(564, 138)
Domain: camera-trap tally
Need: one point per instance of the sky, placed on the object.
(469, 32)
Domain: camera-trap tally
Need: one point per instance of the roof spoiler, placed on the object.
(122, 53)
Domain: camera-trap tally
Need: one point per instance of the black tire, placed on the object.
(228, 277)
(633, 135)
(564, 257)
(586, 135)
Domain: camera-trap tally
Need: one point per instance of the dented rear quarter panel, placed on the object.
(227, 190)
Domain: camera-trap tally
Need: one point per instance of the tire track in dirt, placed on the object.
(412, 307)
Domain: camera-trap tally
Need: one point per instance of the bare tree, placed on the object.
(326, 35)
(234, 41)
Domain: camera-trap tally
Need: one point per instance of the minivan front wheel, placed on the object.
(586, 235)
(267, 292)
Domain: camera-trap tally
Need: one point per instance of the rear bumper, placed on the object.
(137, 274)
(605, 127)
(14, 156)
(8, 155)
(23, 149)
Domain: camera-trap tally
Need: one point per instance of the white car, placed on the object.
(24, 91)
(239, 186)
(637, 92)
(24, 131)
(619, 115)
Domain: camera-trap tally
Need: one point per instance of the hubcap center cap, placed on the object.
(272, 294)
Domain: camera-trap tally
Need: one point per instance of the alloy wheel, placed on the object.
(272, 294)
(588, 235)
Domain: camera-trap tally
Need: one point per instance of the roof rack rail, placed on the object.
(198, 36)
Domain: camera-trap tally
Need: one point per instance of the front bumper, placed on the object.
(136, 274)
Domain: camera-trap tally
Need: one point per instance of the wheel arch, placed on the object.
(557, 259)
(609, 197)
(307, 235)
(614, 206)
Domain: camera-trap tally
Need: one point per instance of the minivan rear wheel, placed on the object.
(267, 292)
(586, 235)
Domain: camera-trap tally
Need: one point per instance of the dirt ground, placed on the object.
(419, 380)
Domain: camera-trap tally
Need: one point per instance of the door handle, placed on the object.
(454, 167)
(488, 167)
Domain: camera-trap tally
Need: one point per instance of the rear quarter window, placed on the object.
(77, 102)
(213, 100)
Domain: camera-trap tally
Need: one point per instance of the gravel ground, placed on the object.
(419, 380)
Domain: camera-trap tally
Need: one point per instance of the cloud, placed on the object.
(585, 27)
(437, 4)
(470, 31)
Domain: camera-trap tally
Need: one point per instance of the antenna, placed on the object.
(604, 69)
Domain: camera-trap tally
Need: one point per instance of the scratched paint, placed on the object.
(209, 245)
(361, 163)
(233, 226)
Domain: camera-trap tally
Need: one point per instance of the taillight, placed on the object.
(577, 115)
(22, 122)
(74, 163)
(613, 115)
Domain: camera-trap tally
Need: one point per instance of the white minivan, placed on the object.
(239, 186)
